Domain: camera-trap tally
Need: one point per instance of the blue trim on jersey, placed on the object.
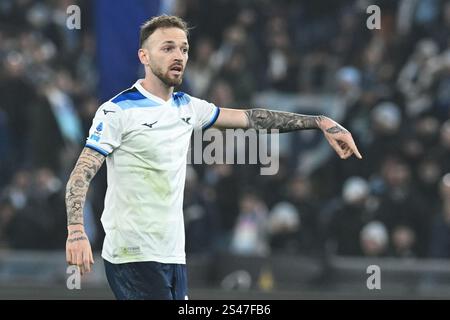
(180, 98)
(129, 95)
(98, 149)
(132, 98)
(143, 103)
(213, 120)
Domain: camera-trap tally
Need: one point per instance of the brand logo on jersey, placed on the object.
(106, 111)
(94, 137)
(97, 133)
(150, 125)
(186, 119)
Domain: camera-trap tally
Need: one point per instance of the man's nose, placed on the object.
(179, 57)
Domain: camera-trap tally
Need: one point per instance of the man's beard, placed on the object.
(166, 79)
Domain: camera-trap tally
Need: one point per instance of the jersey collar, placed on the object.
(148, 95)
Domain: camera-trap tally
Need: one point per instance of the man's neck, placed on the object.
(157, 87)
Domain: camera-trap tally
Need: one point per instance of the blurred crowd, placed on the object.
(394, 85)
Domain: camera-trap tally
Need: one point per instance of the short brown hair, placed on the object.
(163, 21)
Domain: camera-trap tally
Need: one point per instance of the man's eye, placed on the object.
(167, 49)
(185, 50)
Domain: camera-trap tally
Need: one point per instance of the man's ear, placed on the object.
(143, 56)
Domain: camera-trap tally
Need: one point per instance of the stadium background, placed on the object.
(310, 231)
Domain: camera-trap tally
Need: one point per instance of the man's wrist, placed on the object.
(323, 122)
(75, 227)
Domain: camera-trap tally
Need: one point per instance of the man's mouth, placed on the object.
(177, 69)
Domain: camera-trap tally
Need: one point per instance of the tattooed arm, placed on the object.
(279, 120)
(78, 248)
(338, 137)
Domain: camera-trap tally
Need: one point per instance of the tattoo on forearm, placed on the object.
(74, 232)
(283, 121)
(87, 166)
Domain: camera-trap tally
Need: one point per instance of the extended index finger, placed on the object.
(353, 146)
(87, 259)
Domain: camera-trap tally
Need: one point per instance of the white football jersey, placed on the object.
(145, 140)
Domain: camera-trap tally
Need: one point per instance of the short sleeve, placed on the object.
(206, 113)
(105, 134)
